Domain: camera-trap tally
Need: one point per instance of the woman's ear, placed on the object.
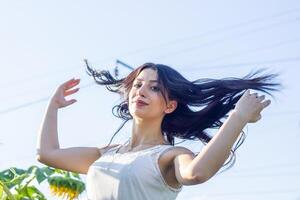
(171, 106)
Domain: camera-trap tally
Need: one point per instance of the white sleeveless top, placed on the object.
(129, 176)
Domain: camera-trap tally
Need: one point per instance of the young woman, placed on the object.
(162, 105)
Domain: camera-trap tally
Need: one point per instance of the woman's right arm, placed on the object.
(75, 159)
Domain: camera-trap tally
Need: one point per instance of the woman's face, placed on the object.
(145, 97)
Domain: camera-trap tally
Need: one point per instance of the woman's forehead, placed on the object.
(148, 75)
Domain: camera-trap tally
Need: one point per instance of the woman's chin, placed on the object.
(139, 114)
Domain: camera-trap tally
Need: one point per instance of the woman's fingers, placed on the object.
(258, 118)
(255, 95)
(260, 98)
(69, 92)
(251, 105)
(266, 103)
(70, 102)
(73, 83)
(65, 89)
(70, 83)
(67, 83)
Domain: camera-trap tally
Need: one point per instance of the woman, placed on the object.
(159, 102)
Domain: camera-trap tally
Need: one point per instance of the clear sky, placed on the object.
(43, 43)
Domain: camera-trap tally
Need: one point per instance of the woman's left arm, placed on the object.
(206, 164)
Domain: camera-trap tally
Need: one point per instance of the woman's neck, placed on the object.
(146, 133)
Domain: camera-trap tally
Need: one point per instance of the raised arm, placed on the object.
(194, 170)
(76, 159)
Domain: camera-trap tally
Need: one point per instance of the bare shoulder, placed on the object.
(172, 153)
(178, 150)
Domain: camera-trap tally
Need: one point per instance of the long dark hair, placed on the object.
(214, 98)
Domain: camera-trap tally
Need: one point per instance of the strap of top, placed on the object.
(116, 148)
(111, 149)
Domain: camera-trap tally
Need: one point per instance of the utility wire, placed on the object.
(193, 69)
(233, 65)
(38, 77)
(256, 49)
(24, 105)
(216, 31)
(226, 38)
(267, 167)
(211, 32)
(120, 63)
(259, 175)
(254, 192)
(189, 67)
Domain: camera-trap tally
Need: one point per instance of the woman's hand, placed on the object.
(249, 106)
(58, 99)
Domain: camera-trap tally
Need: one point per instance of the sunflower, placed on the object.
(65, 187)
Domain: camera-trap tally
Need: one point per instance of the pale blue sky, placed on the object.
(43, 43)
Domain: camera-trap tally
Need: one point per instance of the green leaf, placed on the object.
(6, 175)
(48, 171)
(60, 171)
(1, 191)
(13, 176)
(17, 171)
(18, 179)
(34, 193)
(32, 169)
(40, 177)
(41, 174)
(76, 175)
(6, 190)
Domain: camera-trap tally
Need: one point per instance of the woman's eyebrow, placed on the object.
(149, 81)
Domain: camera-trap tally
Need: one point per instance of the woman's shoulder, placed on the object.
(173, 151)
(180, 149)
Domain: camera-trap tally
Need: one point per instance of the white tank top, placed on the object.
(129, 176)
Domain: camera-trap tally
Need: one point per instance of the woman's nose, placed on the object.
(141, 91)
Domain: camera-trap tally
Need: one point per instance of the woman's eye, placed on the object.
(136, 85)
(154, 88)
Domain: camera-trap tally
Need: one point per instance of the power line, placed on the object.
(232, 65)
(23, 105)
(231, 55)
(14, 108)
(118, 62)
(267, 167)
(37, 77)
(215, 31)
(210, 32)
(233, 36)
(199, 68)
(254, 192)
(30, 103)
(272, 61)
(260, 175)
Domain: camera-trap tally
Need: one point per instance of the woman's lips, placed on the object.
(140, 103)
